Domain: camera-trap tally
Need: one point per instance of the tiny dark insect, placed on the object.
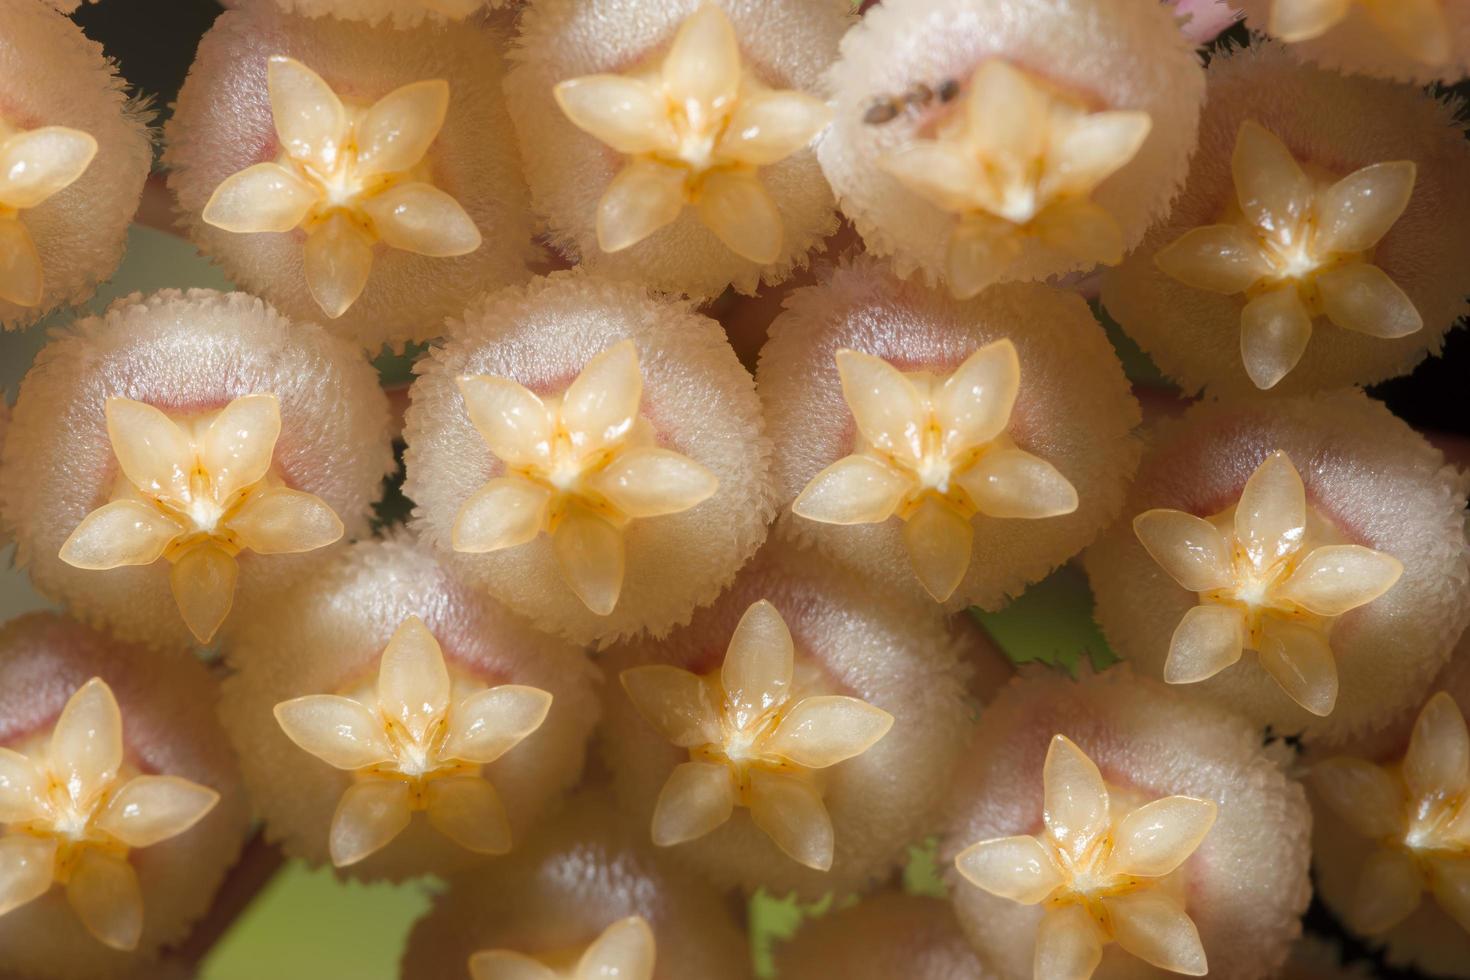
(888, 108)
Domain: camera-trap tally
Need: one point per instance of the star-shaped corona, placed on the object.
(349, 177)
(1297, 247)
(579, 467)
(1019, 159)
(1417, 28)
(1416, 813)
(624, 951)
(751, 741)
(934, 452)
(197, 490)
(73, 809)
(1271, 577)
(1100, 875)
(416, 740)
(35, 164)
(696, 130)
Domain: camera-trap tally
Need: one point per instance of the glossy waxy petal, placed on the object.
(468, 811)
(398, 130)
(337, 260)
(1358, 210)
(624, 951)
(237, 448)
(590, 555)
(697, 798)
(769, 127)
(153, 452)
(22, 280)
(413, 681)
(941, 173)
(974, 404)
(1207, 640)
(1154, 927)
(511, 419)
(370, 814)
(203, 585)
(1069, 944)
(38, 163)
(1362, 795)
(27, 866)
(1363, 298)
(679, 705)
(1217, 258)
(339, 731)
(627, 114)
(1271, 516)
(1274, 330)
(150, 809)
(888, 409)
(1012, 483)
(645, 196)
(86, 746)
(1018, 868)
(856, 489)
(1007, 114)
(1298, 658)
(822, 731)
(701, 72)
(1158, 837)
(792, 814)
(740, 211)
(1076, 798)
(505, 513)
(266, 197)
(601, 404)
(1437, 764)
(1189, 548)
(420, 218)
(105, 895)
(650, 482)
(756, 673)
(22, 788)
(1450, 882)
(124, 532)
(1416, 27)
(978, 254)
(489, 723)
(1336, 578)
(309, 118)
(1091, 148)
(503, 964)
(1272, 188)
(939, 544)
(282, 521)
(1302, 20)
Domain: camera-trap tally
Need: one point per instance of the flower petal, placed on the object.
(511, 419)
(203, 584)
(624, 951)
(86, 745)
(503, 964)
(1449, 879)
(281, 521)
(22, 280)
(369, 815)
(40, 162)
(489, 723)
(27, 869)
(1302, 20)
(1274, 330)
(309, 118)
(1007, 114)
(938, 542)
(105, 895)
(1090, 149)
(756, 673)
(941, 173)
(1362, 795)
(339, 731)
(737, 207)
(792, 814)
(822, 731)
(1208, 639)
(1084, 230)
(975, 402)
(1388, 891)
(398, 130)
(697, 798)
(856, 489)
(468, 811)
(679, 705)
(1158, 837)
(124, 532)
(150, 809)
(589, 553)
(1189, 548)
(337, 262)
(413, 681)
(1154, 927)
(627, 114)
(1336, 578)
(645, 196)
(701, 72)
(153, 452)
(1416, 27)
(1354, 213)
(237, 448)
(1014, 483)
(22, 788)
(1076, 798)
(420, 218)
(1271, 515)
(265, 197)
(1272, 189)
(650, 482)
(505, 513)
(771, 126)
(1068, 944)
(1018, 868)
(1300, 660)
(601, 403)
(1217, 258)
(1437, 765)
(886, 406)
(1362, 297)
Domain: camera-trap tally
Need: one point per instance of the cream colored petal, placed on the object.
(203, 584)
(975, 402)
(150, 809)
(979, 252)
(1158, 837)
(590, 556)
(941, 173)
(468, 811)
(679, 705)
(124, 532)
(505, 513)
(502, 964)
(1092, 148)
(105, 895)
(697, 798)
(398, 130)
(650, 482)
(624, 951)
(771, 126)
(22, 280)
(822, 731)
(1068, 944)
(280, 521)
(702, 71)
(738, 209)
(1207, 640)
(601, 404)
(1082, 229)
(1014, 483)
(369, 815)
(27, 866)
(1272, 189)
(1007, 114)
(1018, 868)
(1274, 330)
(1271, 516)
(512, 420)
(1449, 880)
(40, 162)
(1416, 27)
(1362, 297)
(489, 723)
(1217, 258)
(1354, 213)
(420, 218)
(337, 260)
(1302, 20)
(1333, 579)
(237, 448)
(1362, 795)
(86, 745)
(413, 681)
(1076, 798)
(1299, 659)
(1437, 764)
(888, 409)
(644, 197)
(264, 198)
(22, 788)
(938, 542)
(1189, 548)
(627, 114)
(154, 453)
(792, 814)
(854, 490)
(756, 673)
(1154, 927)
(309, 117)
(1389, 889)
(339, 731)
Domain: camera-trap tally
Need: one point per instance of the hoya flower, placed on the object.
(415, 743)
(1100, 874)
(934, 452)
(349, 177)
(197, 491)
(1410, 40)
(73, 810)
(1264, 584)
(696, 131)
(579, 467)
(625, 950)
(1416, 27)
(751, 742)
(1415, 813)
(1298, 248)
(35, 164)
